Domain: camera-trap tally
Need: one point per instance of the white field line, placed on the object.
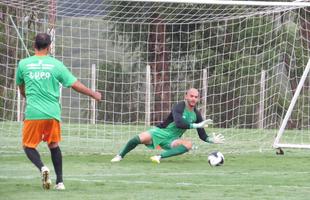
(207, 173)
(130, 182)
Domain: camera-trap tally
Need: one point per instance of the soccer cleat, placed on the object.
(46, 181)
(117, 158)
(155, 159)
(60, 186)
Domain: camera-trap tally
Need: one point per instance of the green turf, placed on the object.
(243, 176)
(109, 138)
(251, 169)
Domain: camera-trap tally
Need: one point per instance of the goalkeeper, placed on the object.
(167, 134)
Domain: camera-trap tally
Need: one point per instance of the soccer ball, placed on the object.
(216, 158)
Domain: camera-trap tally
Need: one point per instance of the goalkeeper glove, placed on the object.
(216, 139)
(202, 124)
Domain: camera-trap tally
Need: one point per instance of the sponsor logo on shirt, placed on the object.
(39, 75)
(41, 66)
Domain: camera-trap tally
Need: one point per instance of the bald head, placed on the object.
(192, 97)
(192, 90)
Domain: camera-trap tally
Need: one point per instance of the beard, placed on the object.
(191, 103)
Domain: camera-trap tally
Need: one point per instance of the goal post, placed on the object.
(277, 143)
(246, 58)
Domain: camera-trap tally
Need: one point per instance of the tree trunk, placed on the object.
(158, 57)
(51, 24)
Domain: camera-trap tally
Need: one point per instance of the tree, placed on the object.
(11, 51)
(158, 60)
(236, 44)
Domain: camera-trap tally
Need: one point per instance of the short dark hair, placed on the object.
(42, 41)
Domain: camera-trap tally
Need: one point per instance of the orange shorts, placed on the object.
(35, 131)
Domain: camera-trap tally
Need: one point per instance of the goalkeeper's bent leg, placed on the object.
(34, 156)
(131, 144)
(174, 151)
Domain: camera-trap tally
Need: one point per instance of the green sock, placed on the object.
(131, 144)
(174, 151)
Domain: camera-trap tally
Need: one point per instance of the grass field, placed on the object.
(249, 172)
(245, 176)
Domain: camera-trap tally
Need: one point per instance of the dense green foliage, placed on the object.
(232, 50)
(11, 51)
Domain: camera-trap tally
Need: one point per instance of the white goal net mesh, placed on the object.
(246, 61)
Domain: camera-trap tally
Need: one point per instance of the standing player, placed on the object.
(167, 135)
(38, 78)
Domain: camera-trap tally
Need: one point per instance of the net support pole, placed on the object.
(18, 106)
(93, 87)
(292, 104)
(261, 113)
(204, 92)
(148, 96)
(19, 36)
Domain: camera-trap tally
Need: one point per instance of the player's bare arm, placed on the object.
(22, 90)
(81, 88)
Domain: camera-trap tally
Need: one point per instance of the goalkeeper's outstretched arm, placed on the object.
(219, 138)
(201, 131)
(216, 138)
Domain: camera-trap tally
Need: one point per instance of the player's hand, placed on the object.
(97, 96)
(203, 124)
(217, 138)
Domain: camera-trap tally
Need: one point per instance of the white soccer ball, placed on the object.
(216, 158)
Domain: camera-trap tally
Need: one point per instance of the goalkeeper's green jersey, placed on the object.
(179, 120)
(188, 117)
(42, 76)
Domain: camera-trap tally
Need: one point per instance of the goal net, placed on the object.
(245, 57)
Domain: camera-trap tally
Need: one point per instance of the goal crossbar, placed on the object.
(222, 2)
